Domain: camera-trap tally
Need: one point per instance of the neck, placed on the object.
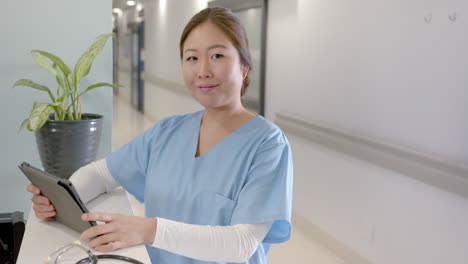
(223, 114)
(226, 115)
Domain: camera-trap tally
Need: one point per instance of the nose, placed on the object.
(205, 70)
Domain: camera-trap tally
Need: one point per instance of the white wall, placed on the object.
(65, 29)
(376, 69)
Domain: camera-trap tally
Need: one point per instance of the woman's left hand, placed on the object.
(119, 231)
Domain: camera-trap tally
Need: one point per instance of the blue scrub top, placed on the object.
(244, 179)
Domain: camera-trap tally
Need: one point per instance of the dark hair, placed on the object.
(230, 24)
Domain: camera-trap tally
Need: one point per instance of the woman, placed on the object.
(217, 184)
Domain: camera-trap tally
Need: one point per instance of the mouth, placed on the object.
(206, 88)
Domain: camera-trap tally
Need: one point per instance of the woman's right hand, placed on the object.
(42, 206)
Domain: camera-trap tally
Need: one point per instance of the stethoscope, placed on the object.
(91, 259)
(94, 259)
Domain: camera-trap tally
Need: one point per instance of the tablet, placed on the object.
(63, 196)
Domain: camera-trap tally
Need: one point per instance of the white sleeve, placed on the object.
(92, 180)
(235, 243)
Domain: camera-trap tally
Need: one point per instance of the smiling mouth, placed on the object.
(207, 88)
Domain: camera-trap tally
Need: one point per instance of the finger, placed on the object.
(43, 208)
(39, 199)
(111, 246)
(102, 240)
(45, 215)
(33, 189)
(96, 231)
(101, 217)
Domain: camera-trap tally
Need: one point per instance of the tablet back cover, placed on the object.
(68, 210)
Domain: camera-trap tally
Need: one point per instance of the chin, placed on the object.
(210, 103)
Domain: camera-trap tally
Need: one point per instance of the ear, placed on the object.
(245, 71)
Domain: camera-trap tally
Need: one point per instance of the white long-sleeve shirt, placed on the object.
(235, 243)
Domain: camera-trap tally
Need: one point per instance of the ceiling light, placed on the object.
(117, 11)
(131, 3)
(139, 7)
(162, 5)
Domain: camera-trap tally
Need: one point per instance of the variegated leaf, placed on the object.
(66, 71)
(39, 115)
(23, 124)
(101, 85)
(85, 62)
(41, 61)
(30, 83)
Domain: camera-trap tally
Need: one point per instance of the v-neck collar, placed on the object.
(198, 121)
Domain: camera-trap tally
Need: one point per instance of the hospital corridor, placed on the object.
(234, 131)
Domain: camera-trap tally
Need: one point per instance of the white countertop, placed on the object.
(42, 238)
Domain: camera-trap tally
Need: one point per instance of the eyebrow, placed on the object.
(209, 48)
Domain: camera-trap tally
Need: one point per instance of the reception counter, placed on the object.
(42, 238)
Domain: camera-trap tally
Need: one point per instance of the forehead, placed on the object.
(205, 35)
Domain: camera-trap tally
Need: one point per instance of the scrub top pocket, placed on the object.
(217, 209)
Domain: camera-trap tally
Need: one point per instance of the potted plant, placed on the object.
(66, 137)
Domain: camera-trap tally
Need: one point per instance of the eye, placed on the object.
(217, 56)
(191, 58)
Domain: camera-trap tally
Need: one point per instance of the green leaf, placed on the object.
(58, 108)
(27, 82)
(58, 94)
(100, 85)
(72, 95)
(72, 86)
(39, 115)
(32, 84)
(61, 80)
(83, 65)
(23, 124)
(41, 61)
(66, 71)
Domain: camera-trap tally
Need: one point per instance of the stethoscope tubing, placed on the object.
(95, 259)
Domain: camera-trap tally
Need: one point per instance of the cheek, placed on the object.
(188, 74)
(237, 74)
(231, 71)
(237, 71)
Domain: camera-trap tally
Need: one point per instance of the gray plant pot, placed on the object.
(66, 146)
